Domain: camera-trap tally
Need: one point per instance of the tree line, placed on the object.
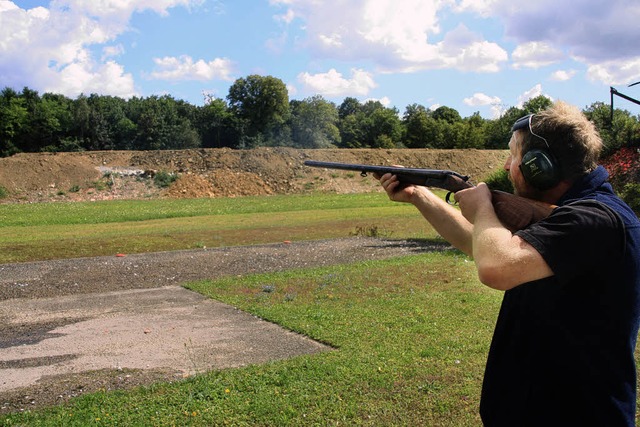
(257, 112)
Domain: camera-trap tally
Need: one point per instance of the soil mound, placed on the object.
(222, 172)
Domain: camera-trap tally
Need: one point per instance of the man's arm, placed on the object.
(444, 218)
(503, 259)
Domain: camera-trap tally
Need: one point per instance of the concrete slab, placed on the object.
(159, 328)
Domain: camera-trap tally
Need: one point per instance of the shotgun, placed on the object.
(514, 212)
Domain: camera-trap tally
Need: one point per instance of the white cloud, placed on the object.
(108, 78)
(333, 84)
(286, 17)
(481, 99)
(481, 7)
(615, 72)
(563, 75)
(530, 94)
(51, 49)
(184, 68)
(397, 35)
(112, 52)
(535, 55)
(385, 101)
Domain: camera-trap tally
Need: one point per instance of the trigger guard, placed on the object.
(448, 198)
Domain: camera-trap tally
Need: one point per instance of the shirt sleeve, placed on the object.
(577, 236)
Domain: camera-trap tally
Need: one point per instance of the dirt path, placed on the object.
(69, 327)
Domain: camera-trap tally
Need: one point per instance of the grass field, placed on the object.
(410, 335)
(71, 230)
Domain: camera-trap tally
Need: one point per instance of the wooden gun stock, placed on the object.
(516, 212)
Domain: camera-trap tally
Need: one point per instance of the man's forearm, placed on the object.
(445, 219)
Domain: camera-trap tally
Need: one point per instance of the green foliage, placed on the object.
(164, 179)
(257, 112)
(13, 121)
(631, 195)
(314, 123)
(4, 193)
(369, 125)
(536, 104)
(217, 125)
(447, 114)
(499, 180)
(623, 131)
(262, 104)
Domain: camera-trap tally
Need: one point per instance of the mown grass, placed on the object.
(118, 211)
(69, 230)
(410, 337)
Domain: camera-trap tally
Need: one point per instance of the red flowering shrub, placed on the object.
(623, 167)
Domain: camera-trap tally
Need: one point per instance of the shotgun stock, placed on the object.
(514, 212)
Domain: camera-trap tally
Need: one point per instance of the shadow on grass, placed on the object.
(418, 245)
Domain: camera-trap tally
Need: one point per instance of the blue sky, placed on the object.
(471, 55)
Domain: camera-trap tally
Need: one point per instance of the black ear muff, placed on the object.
(539, 169)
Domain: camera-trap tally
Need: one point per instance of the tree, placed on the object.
(58, 115)
(49, 120)
(474, 131)
(113, 122)
(217, 126)
(415, 121)
(623, 131)
(385, 128)
(448, 114)
(262, 103)
(352, 131)
(369, 125)
(314, 123)
(13, 120)
(498, 132)
(160, 127)
(348, 107)
(535, 105)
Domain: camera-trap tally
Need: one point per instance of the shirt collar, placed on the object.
(586, 185)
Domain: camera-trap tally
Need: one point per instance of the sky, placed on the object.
(471, 55)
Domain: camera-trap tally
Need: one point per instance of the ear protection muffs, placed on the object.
(538, 166)
(539, 169)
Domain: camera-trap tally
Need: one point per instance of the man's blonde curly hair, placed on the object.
(573, 139)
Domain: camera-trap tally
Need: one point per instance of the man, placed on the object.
(562, 353)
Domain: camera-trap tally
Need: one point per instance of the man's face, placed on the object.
(512, 165)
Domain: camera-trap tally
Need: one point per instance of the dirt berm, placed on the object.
(102, 175)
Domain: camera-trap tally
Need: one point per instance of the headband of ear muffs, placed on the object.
(538, 165)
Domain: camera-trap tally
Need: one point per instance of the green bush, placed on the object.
(631, 195)
(164, 179)
(499, 180)
(3, 192)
